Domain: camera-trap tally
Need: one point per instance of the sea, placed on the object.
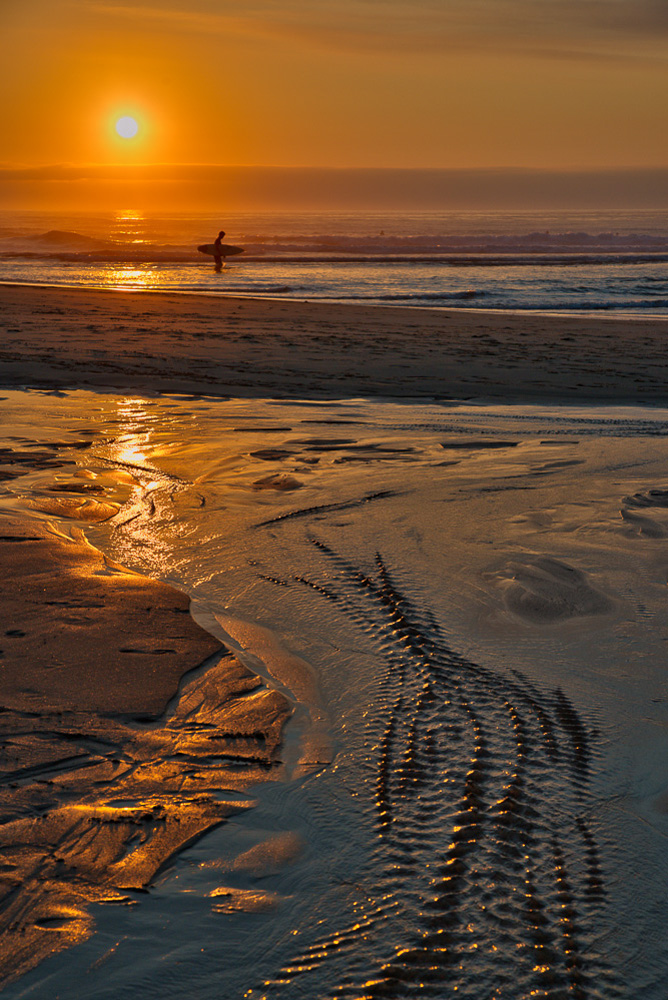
(613, 262)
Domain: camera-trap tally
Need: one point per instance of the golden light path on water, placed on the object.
(461, 608)
(131, 277)
(129, 226)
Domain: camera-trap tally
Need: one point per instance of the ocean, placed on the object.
(567, 262)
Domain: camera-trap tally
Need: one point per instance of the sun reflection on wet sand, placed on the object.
(134, 425)
(130, 800)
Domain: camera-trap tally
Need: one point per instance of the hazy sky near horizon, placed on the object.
(399, 83)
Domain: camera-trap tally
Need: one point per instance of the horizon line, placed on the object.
(23, 168)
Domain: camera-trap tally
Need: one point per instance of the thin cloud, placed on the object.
(576, 29)
(256, 188)
(67, 172)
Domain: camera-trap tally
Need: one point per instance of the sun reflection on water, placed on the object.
(128, 223)
(129, 215)
(141, 536)
(135, 422)
(132, 275)
(129, 452)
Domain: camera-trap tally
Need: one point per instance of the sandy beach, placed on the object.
(418, 706)
(75, 338)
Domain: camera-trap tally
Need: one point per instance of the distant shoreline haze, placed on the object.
(186, 187)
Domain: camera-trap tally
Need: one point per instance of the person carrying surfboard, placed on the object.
(219, 250)
(218, 257)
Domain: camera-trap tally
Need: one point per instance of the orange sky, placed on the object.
(342, 83)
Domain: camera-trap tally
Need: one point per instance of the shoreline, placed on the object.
(255, 347)
(585, 314)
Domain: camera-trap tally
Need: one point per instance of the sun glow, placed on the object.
(127, 127)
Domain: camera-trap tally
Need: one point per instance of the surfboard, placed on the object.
(225, 249)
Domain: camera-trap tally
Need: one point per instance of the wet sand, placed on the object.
(128, 733)
(467, 602)
(83, 634)
(106, 682)
(80, 338)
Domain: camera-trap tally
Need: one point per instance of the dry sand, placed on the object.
(253, 347)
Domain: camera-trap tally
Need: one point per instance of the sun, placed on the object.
(127, 127)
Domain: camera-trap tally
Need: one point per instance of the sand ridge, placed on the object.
(87, 338)
(70, 617)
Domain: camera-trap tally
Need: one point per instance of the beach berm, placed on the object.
(220, 345)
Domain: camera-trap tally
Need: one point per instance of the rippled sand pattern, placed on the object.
(486, 874)
(92, 809)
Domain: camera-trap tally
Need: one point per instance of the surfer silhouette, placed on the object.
(218, 256)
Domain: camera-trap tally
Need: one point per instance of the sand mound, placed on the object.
(543, 590)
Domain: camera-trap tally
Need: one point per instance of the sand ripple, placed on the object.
(486, 876)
